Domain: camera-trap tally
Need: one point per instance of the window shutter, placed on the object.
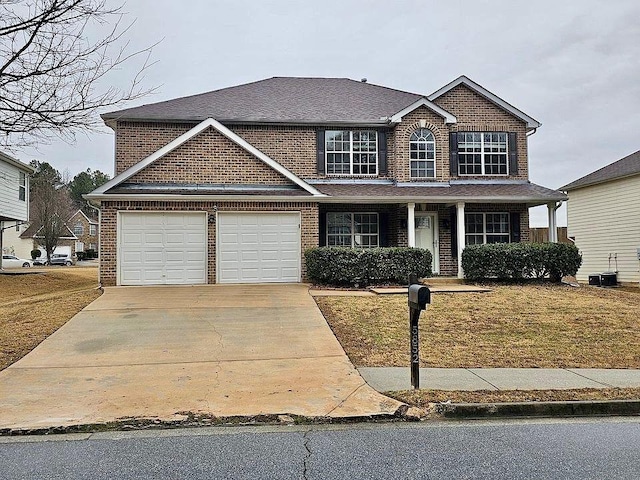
(382, 152)
(320, 148)
(454, 232)
(322, 229)
(513, 153)
(515, 227)
(383, 229)
(453, 154)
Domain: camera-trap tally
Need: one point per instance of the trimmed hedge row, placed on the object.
(362, 267)
(515, 261)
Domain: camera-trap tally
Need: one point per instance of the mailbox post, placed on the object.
(419, 298)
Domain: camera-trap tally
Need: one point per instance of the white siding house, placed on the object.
(604, 219)
(14, 189)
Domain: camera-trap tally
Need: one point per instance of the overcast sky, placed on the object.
(572, 65)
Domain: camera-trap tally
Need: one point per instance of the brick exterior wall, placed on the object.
(108, 238)
(294, 147)
(477, 114)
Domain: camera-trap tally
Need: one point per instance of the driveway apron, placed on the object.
(162, 352)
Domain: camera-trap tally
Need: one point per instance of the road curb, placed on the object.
(583, 408)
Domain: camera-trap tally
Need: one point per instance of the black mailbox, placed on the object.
(419, 297)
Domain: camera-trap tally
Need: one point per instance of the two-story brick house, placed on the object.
(233, 185)
(85, 229)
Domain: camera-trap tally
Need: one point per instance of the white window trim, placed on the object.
(435, 163)
(484, 226)
(78, 226)
(22, 186)
(350, 174)
(482, 153)
(353, 234)
(93, 230)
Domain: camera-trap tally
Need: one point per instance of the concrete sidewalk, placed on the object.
(386, 379)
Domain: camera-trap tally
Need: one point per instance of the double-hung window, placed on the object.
(351, 152)
(358, 230)
(483, 228)
(78, 229)
(483, 153)
(22, 187)
(92, 229)
(422, 154)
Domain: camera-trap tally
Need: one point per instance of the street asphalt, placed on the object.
(544, 449)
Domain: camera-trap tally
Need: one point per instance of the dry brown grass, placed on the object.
(33, 306)
(545, 326)
(421, 398)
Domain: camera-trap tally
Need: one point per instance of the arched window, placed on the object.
(422, 154)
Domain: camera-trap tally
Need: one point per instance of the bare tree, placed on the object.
(53, 75)
(50, 206)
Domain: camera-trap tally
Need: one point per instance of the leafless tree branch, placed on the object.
(53, 76)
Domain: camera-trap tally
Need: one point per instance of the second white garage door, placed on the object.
(258, 247)
(157, 248)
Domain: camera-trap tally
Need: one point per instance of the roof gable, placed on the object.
(423, 102)
(625, 167)
(531, 122)
(16, 163)
(209, 123)
(89, 220)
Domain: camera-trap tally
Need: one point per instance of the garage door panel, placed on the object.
(259, 247)
(162, 248)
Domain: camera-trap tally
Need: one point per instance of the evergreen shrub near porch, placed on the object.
(517, 261)
(370, 266)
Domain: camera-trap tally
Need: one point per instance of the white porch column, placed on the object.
(411, 225)
(553, 230)
(461, 235)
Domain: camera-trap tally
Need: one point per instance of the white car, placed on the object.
(11, 261)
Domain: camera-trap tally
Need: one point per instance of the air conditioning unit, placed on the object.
(609, 279)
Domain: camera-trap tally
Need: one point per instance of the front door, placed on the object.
(426, 227)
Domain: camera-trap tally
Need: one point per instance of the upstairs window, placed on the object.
(351, 152)
(422, 154)
(483, 153)
(78, 229)
(357, 230)
(92, 229)
(22, 187)
(483, 228)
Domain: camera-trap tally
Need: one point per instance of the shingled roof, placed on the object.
(625, 167)
(281, 100)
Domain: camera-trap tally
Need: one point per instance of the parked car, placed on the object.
(61, 259)
(11, 261)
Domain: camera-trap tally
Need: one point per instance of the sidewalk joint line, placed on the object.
(483, 379)
(61, 367)
(590, 379)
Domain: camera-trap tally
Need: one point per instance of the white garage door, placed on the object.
(258, 247)
(162, 248)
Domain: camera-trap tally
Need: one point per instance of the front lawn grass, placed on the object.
(422, 398)
(33, 306)
(544, 326)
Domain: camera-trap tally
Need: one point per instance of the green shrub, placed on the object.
(35, 253)
(362, 267)
(81, 255)
(90, 253)
(516, 261)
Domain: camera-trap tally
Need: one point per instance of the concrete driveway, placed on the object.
(158, 352)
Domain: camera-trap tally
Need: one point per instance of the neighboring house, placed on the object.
(14, 197)
(66, 243)
(232, 186)
(86, 231)
(13, 244)
(603, 215)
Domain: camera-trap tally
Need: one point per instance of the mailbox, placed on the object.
(419, 297)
